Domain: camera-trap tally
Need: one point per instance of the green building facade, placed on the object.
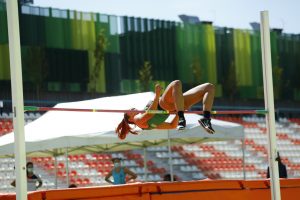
(62, 44)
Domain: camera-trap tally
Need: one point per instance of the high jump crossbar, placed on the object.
(36, 109)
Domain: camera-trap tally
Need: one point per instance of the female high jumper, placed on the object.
(172, 100)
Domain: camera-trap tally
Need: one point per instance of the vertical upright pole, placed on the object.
(1, 107)
(55, 170)
(17, 97)
(145, 164)
(67, 167)
(269, 104)
(170, 157)
(244, 157)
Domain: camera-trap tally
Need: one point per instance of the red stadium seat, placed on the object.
(60, 165)
(78, 181)
(73, 173)
(86, 181)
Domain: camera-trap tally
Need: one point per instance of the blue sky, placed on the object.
(231, 13)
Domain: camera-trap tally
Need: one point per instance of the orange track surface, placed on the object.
(192, 190)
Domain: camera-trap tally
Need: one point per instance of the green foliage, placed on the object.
(196, 70)
(99, 54)
(145, 76)
(36, 67)
(277, 81)
(230, 87)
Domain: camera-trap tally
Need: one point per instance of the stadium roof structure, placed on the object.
(56, 132)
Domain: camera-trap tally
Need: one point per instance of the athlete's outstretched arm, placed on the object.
(143, 118)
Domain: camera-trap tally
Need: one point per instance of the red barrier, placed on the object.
(191, 190)
(31, 196)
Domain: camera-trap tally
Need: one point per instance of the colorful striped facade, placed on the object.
(229, 58)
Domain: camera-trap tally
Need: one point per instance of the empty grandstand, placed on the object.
(231, 159)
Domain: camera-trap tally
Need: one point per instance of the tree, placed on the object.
(145, 75)
(196, 70)
(277, 81)
(36, 68)
(230, 83)
(99, 55)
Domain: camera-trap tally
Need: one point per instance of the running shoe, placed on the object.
(181, 124)
(205, 123)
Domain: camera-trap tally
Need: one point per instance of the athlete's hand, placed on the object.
(158, 89)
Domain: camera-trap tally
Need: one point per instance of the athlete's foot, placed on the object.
(181, 124)
(205, 123)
